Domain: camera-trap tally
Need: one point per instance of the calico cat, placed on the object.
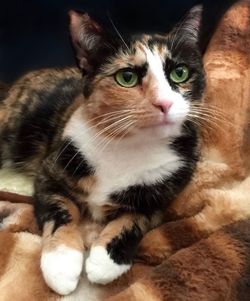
(112, 141)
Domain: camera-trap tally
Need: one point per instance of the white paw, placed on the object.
(61, 269)
(102, 269)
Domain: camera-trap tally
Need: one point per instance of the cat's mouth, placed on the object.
(162, 120)
(158, 124)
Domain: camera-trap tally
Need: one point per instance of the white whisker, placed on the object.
(117, 31)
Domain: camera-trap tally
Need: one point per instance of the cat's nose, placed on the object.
(163, 105)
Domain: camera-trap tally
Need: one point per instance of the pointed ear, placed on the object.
(192, 23)
(86, 37)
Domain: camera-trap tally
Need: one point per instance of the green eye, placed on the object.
(127, 78)
(179, 75)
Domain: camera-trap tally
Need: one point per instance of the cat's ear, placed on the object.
(191, 24)
(86, 35)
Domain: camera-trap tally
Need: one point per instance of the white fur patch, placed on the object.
(61, 269)
(180, 108)
(135, 160)
(100, 268)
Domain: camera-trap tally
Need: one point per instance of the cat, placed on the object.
(112, 140)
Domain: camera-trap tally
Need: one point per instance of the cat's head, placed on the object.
(144, 83)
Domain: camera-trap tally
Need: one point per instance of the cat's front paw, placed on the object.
(101, 268)
(61, 268)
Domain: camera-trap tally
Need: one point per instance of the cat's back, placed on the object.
(33, 111)
(40, 86)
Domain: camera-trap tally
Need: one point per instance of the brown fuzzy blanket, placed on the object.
(204, 253)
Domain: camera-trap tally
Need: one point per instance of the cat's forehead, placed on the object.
(137, 53)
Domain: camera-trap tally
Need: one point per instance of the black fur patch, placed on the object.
(186, 145)
(46, 206)
(52, 212)
(123, 247)
(39, 126)
(72, 161)
(144, 199)
(141, 71)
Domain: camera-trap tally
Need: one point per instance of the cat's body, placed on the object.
(33, 116)
(44, 129)
(115, 145)
(216, 268)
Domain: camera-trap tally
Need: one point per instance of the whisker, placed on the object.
(117, 31)
(92, 140)
(108, 139)
(109, 117)
(207, 110)
(125, 133)
(176, 32)
(98, 134)
(210, 108)
(208, 114)
(114, 134)
(213, 116)
(61, 152)
(211, 112)
(109, 127)
(204, 123)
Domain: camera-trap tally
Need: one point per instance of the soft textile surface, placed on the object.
(215, 265)
(15, 183)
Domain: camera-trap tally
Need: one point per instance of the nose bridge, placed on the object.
(159, 82)
(162, 94)
(164, 90)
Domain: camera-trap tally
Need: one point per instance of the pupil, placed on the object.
(127, 76)
(179, 71)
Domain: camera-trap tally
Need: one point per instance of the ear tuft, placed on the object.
(86, 35)
(192, 22)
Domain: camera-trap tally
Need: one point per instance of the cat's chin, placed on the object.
(165, 126)
(159, 131)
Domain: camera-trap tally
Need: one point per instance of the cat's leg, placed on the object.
(113, 252)
(216, 268)
(62, 250)
(223, 208)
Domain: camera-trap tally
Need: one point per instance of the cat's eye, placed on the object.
(180, 74)
(127, 78)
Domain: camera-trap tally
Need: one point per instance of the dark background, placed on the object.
(34, 33)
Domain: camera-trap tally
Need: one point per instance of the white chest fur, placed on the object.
(121, 164)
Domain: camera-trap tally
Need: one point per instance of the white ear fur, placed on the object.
(86, 34)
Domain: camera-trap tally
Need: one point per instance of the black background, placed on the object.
(34, 33)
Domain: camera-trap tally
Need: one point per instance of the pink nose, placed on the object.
(163, 104)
